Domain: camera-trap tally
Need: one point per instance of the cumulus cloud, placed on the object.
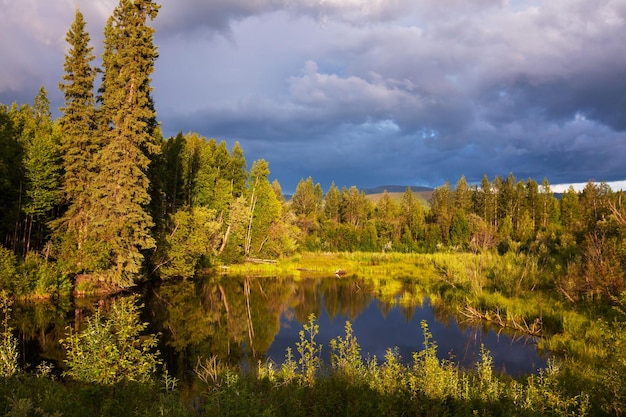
(376, 91)
(502, 80)
(32, 43)
(352, 99)
(534, 90)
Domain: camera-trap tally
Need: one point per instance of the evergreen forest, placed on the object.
(98, 201)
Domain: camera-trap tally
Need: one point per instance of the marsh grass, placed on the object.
(511, 291)
(506, 290)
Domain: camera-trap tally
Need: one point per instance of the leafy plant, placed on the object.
(8, 268)
(345, 356)
(429, 375)
(310, 351)
(194, 236)
(8, 343)
(40, 277)
(112, 349)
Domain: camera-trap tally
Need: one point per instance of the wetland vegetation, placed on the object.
(143, 275)
(214, 332)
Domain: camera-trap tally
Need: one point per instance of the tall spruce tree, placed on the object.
(80, 145)
(41, 164)
(128, 124)
(173, 179)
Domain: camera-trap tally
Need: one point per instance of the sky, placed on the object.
(369, 93)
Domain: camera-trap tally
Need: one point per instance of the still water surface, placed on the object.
(376, 332)
(247, 320)
(259, 318)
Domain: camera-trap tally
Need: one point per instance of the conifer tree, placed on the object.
(41, 164)
(462, 195)
(548, 204)
(211, 159)
(442, 209)
(127, 123)
(532, 202)
(487, 207)
(571, 216)
(79, 146)
(332, 202)
(173, 178)
(79, 143)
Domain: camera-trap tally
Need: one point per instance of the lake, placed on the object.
(247, 320)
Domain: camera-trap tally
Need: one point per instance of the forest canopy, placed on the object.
(99, 194)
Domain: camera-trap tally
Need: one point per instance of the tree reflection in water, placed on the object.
(244, 320)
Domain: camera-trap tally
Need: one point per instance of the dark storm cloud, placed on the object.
(217, 16)
(191, 16)
(374, 92)
(472, 88)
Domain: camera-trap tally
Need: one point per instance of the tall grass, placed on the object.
(509, 290)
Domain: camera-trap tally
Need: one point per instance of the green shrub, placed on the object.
(345, 355)
(8, 268)
(8, 343)
(35, 276)
(431, 376)
(310, 351)
(38, 277)
(112, 349)
(194, 236)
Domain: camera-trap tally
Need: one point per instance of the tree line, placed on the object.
(577, 236)
(99, 193)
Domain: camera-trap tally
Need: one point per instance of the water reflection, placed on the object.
(246, 320)
(379, 327)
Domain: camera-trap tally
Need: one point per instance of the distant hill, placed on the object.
(423, 194)
(395, 189)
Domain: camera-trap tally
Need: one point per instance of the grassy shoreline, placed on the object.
(509, 290)
(513, 291)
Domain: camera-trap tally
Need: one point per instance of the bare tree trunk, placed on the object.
(618, 215)
(249, 232)
(246, 288)
(225, 240)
